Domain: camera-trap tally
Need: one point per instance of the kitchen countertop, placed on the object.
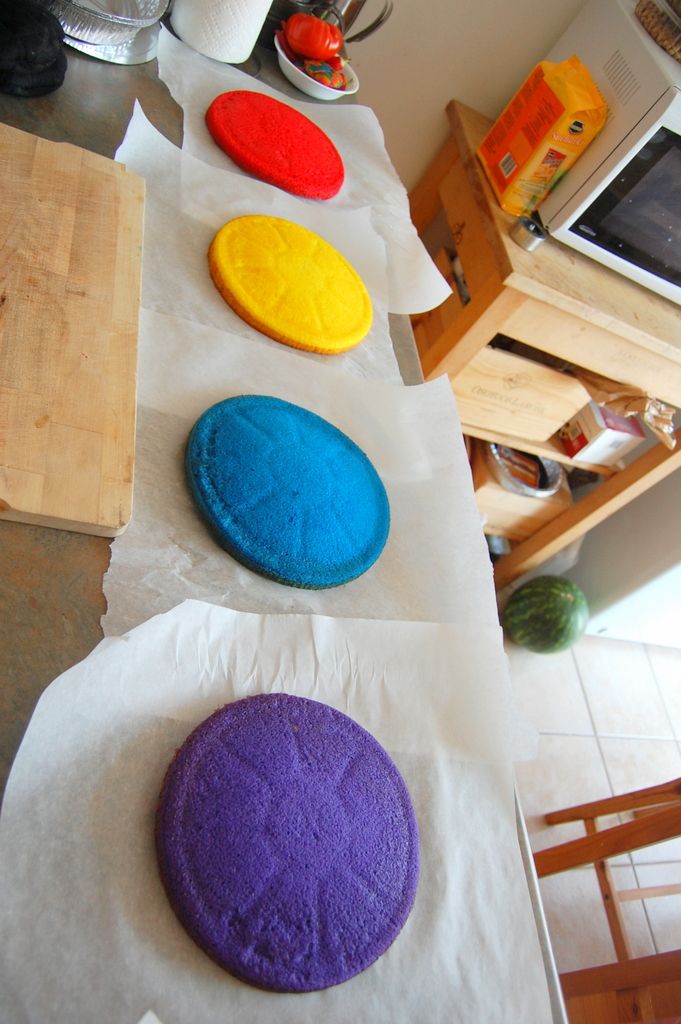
(51, 580)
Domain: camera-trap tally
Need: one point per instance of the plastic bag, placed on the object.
(628, 400)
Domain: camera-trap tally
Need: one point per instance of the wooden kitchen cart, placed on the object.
(552, 299)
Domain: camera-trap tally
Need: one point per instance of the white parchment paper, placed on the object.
(370, 178)
(87, 933)
(435, 565)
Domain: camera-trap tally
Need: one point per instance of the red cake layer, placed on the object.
(276, 143)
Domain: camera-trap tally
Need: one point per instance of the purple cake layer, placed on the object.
(287, 843)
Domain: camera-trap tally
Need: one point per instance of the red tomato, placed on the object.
(312, 37)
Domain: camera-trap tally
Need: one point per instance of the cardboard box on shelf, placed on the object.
(501, 391)
(600, 436)
(542, 131)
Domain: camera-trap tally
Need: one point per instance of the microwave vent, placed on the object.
(620, 76)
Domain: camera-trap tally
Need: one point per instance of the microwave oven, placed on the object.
(620, 203)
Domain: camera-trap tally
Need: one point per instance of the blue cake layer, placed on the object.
(287, 843)
(286, 493)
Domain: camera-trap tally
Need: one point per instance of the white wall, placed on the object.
(629, 567)
(432, 51)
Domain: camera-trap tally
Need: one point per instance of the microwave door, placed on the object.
(637, 216)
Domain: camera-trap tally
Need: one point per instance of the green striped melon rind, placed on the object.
(546, 614)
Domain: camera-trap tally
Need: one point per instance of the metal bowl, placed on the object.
(106, 21)
(140, 49)
(551, 473)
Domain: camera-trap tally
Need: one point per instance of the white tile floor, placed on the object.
(609, 718)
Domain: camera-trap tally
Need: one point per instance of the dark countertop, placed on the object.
(93, 106)
(51, 597)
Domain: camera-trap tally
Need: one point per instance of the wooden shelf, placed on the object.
(553, 299)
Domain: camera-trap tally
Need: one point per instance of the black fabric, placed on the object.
(32, 56)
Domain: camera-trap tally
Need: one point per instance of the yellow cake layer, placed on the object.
(290, 284)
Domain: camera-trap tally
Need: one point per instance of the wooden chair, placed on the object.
(634, 988)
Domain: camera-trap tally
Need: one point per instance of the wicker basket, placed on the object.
(662, 21)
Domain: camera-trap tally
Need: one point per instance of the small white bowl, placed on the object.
(310, 86)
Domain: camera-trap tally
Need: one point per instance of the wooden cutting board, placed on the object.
(70, 266)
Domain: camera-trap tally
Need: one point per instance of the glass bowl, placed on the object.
(106, 21)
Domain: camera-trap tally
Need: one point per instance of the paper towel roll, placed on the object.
(225, 30)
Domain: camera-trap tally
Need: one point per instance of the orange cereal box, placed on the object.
(547, 125)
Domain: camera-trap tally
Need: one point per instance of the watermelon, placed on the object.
(546, 615)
